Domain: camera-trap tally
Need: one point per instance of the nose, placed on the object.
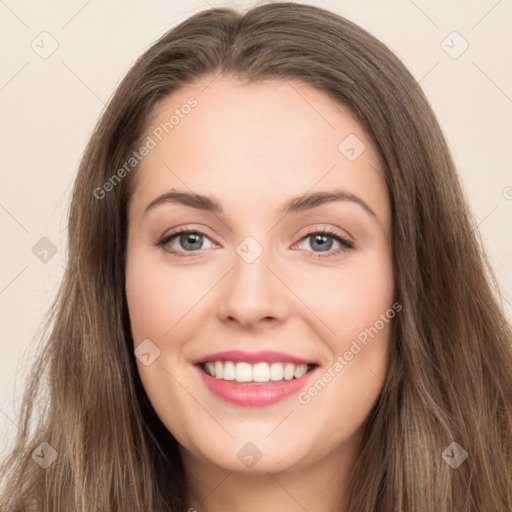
(252, 295)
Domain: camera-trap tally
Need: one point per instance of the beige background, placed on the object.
(50, 105)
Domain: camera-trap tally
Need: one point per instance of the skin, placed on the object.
(252, 147)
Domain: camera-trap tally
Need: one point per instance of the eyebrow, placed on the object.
(296, 204)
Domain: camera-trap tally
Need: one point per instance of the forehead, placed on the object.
(253, 142)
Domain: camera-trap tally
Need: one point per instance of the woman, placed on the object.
(203, 357)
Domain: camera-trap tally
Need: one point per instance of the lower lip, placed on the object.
(253, 395)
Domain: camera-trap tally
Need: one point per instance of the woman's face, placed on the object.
(255, 289)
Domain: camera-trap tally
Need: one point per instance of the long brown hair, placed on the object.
(449, 378)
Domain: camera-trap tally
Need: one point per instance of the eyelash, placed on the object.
(345, 244)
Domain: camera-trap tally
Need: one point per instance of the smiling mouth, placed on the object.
(259, 373)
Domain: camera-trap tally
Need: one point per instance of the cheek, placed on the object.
(351, 300)
(157, 297)
(359, 308)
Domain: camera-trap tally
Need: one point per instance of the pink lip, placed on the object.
(253, 395)
(252, 357)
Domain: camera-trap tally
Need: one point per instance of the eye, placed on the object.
(187, 241)
(190, 241)
(324, 240)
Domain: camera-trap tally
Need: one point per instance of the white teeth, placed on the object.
(300, 371)
(276, 371)
(229, 371)
(289, 370)
(259, 372)
(219, 370)
(210, 369)
(243, 372)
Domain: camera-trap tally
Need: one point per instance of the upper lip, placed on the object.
(252, 357)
